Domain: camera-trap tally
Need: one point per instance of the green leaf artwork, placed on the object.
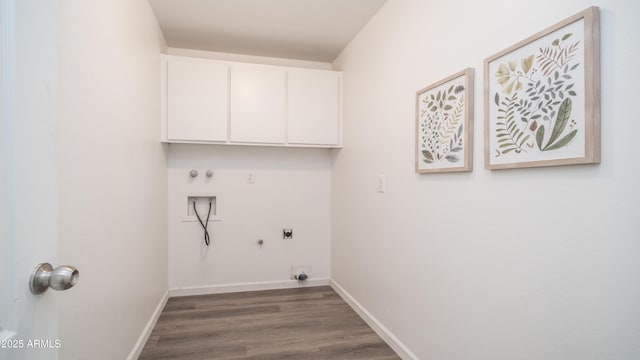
(559, 126)
(509, 136)
(534, 104)
(441, 124)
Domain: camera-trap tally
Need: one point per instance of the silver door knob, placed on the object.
(61, 278)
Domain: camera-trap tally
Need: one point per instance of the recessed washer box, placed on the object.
(202, 200)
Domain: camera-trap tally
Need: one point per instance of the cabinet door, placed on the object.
(197, 100)
(257, 104)
(313, 108)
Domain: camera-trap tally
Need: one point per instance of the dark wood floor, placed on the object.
(311, 323)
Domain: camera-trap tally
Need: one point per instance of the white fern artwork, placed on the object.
(443, 126)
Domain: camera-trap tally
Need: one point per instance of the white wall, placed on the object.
(249, 58)
(112, 175)
(519, 264)
(291, 190)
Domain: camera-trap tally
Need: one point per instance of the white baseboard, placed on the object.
(401, 349)
(254, 286)
(142, 340)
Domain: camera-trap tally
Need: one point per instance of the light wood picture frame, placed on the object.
(444, 125)
(542, 97)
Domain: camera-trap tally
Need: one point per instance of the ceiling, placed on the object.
(314, 30)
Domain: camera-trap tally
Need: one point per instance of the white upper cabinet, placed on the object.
(223, 102)
(197, 100)
(313, 107)
(257, 104)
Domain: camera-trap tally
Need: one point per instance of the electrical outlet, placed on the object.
(296, 270)
(287, 233)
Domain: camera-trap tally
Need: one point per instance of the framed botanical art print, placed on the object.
(542, 97)
(444, 125)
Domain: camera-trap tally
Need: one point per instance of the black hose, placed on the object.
(207, 238)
